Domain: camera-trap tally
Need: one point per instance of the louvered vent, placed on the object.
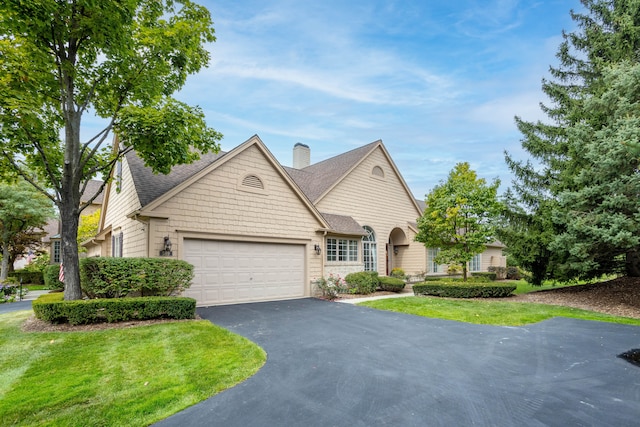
(377, 171)
(253, 182)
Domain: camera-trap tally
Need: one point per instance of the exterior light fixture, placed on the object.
(317, 248)
(395, 250)
(166, 249)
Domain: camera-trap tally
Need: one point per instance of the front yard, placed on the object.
(132, 376)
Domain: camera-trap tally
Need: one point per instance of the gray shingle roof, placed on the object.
(150, 186)
(92, 188)
(316, 179)
(343, 224)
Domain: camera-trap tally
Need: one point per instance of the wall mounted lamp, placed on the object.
(317, 248)
(395, 250)
(166, 249)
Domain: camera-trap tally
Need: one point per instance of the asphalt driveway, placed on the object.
(332, 364)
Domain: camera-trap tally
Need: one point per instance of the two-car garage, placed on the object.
(229, 272)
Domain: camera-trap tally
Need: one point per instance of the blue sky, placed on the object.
(438, 81)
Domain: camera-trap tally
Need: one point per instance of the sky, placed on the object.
(439, 82)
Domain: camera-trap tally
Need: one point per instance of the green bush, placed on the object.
(121, 277)
(51, 308)
(28, 277)
(501, 272)
(488, 276)
(398, 273)
(362, 282)
(513, 273)
(463, 289)
(391, 284)
(51, 274)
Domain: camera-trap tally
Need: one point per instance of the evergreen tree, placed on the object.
(574, 153)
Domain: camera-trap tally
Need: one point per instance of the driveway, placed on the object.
(333, 364)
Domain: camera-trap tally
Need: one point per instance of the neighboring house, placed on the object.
(51, 241)
(256, 230)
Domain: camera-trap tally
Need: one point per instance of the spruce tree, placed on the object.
(575, 153)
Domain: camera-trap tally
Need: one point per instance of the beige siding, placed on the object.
(120, 205)
(382, 204)
(217, 206)
(493, 257)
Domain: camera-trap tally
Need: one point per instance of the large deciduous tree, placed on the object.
(459, 217)
(585, 172)
(22, 208)
(119, 59)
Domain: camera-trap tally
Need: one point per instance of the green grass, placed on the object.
(488, 312)
(37, 287)
(117, 377)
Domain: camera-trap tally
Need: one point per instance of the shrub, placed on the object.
(398, 273)
(120, 277)
(391, 284)
(51, 274)
(28, 277)
(463, 290)
(513, 273)
(363, 282)
(489, 276)
(332, 286)
(51, 308)
(501, 272)
(10, 290)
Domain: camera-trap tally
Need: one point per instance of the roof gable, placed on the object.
(317, 179)
(170, 185)
(151, 186)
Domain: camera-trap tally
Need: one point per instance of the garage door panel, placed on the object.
(232, 272)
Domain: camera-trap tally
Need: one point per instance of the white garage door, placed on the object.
(236, 272)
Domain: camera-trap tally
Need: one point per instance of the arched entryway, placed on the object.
(397, 243)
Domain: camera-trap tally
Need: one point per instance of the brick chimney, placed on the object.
(301, 156)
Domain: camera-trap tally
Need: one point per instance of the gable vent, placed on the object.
(377, 171)
(253, 182)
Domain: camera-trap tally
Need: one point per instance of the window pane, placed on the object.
(331, 250)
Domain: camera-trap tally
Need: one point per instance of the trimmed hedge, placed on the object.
(463, 290)
(362, 282)
(51, 273)
(51, 308)
(391, 284)
(28, 277)
(105, 277)
(489, 276)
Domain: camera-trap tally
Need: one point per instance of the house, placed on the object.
(256, 230)
(92, 196)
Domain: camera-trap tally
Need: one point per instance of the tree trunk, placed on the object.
(70, 258)
(4, 272)
(464, 272)
(70, 203)
(633, 263)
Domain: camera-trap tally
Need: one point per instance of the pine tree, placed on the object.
(574, 149)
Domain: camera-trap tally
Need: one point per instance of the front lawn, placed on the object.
(116, 377)
(488, 312)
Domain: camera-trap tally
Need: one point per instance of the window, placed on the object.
(475, 264)
(342, 250)
(116, 245)
(431, 260)
(57, 253)
(118, 176)
(370, 250)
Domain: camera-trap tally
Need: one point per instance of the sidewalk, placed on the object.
(32, 295)
(363, 299)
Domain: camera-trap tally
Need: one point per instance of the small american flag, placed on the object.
(61, 274)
